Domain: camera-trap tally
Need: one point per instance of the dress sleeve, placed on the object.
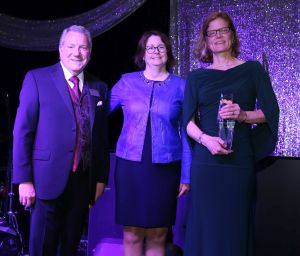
(264, 136)
(190, 103)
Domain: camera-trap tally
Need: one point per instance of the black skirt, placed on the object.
(146, 193)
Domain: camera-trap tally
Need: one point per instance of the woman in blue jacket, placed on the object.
(153, 156)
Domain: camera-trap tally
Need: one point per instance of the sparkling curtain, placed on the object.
(269, 32)
(34, 35)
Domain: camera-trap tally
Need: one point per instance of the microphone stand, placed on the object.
(10, 225)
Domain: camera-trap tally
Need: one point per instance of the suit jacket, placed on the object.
(45, 132)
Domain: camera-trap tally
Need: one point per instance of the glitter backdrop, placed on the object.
(266, 28)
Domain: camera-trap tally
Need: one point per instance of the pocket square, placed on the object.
(94, 92)
(99, 103)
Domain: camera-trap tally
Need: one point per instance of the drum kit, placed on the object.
(11, 242)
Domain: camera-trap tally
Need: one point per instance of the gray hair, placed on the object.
(75, 28)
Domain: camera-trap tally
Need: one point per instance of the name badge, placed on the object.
(94, 92)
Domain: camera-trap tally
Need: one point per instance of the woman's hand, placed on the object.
(232, 111)
(183, 188)
(215, 145)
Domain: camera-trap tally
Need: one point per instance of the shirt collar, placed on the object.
(68, 75)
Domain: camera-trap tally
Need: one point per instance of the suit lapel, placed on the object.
(61, 85)
(92, 103)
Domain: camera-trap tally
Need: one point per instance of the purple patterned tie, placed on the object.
(75, 81)
(76, 91)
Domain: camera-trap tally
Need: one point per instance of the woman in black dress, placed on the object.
(223, 180)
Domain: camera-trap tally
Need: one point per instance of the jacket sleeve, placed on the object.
(186, 158)
(115, 96)
(186, 148)
(24, 130)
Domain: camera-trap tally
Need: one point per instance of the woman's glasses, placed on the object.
(222, 31)
(160, 48)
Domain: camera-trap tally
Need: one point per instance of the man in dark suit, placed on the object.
(60, 156)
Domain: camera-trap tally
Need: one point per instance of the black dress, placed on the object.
(146, 193)
(223, 186)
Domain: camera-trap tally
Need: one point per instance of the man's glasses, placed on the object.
(222, 31)
(160, 48)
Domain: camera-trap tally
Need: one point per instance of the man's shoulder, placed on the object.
(46, 69)
(94, 81)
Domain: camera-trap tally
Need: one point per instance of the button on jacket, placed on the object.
(133, 93)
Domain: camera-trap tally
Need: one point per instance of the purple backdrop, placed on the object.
(266, 28)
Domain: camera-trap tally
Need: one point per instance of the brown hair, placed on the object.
(140, 51)
(202, 52)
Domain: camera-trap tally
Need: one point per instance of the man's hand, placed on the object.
(99, 190)
(26, 194)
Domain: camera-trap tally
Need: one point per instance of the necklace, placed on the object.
(159, 83)
(161, 76)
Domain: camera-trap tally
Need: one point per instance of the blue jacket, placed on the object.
(169, 143)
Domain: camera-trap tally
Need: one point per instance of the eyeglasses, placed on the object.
(221, 31)
(160, 48)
